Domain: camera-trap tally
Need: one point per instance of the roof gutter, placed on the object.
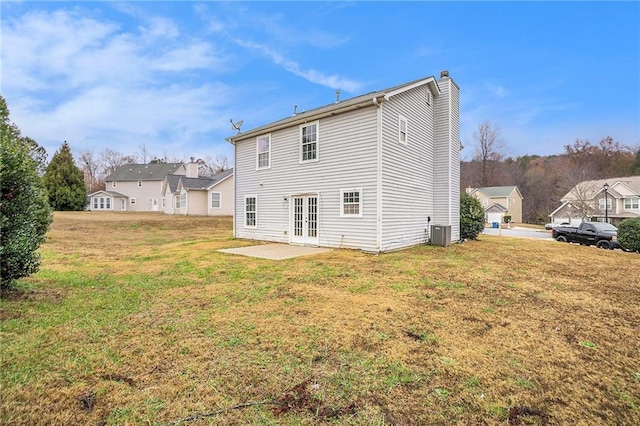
(376, 100)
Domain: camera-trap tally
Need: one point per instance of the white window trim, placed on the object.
(402, 119)
(608, 202)
(114, 184)
(219, 201)
(132, 200)
(140, 184)
(183, 194)
(314, 160)
(244, 216)
(629, 203)
(258, 167)
(342, 213)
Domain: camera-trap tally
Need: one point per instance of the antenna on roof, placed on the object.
(338, 96)
(295, 110)
(236, 125)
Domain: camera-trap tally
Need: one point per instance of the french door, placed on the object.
(304, 219)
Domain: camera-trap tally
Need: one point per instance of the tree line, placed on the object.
(544, 180)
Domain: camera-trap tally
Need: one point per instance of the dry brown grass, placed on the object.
(137, 319)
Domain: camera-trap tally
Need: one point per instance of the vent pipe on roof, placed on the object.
(444, 74)
(338, 96)
(295, 107)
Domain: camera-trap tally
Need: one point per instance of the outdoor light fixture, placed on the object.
(606, 202)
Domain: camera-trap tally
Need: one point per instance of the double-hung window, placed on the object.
(140, 183)
(631, 203)
(403, 130)
(351, 202)
(602, 203)
(107, 202)
(215, 200)
(183, 199)
(309, 142)
(263, 147)
(250, 211)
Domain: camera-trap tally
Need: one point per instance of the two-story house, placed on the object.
(372, 172)
(138, 187)
(499, 202)
(611, 200)
(202, 196)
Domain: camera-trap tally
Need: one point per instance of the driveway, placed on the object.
(519, 232)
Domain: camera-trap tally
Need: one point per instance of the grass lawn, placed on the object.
(137, 319)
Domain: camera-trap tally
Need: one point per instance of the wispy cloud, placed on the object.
(317, 77)
(278, 35)
(101, 78)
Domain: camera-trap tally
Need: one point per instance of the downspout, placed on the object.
(378, 174)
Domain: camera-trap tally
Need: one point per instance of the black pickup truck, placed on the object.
(600, 234)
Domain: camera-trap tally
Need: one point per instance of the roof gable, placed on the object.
(498, 191)
(618, 187)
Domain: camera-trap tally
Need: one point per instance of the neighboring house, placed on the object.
(199, 196)
(498, 202)
(372, 172)
(138, 187)
(588, 201)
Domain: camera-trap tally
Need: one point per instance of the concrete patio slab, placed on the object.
(275, 251)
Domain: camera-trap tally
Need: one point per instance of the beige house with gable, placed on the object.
(498, 202)
(611, 200)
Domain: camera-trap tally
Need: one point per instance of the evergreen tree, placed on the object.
(24, 212)
(64, 182)
(471, 217)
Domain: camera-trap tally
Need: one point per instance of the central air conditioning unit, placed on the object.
(441, 235)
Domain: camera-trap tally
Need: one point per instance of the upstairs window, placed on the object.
(601, 203)
(309, 142)
(631, 203)
(139, 183)
(264, 151)
(114, 184)
(403, 130)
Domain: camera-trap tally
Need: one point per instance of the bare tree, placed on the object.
(144, 153)
(90, 168)
(488, 151)
(112, 159)
(211, 166)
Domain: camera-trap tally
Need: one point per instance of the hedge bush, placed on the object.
(471, 217)
(629, 234)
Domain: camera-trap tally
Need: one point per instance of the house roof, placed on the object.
(199, 183)
(497, 191)
(496, 208)
(591, 188)
(155, 171)
(368, 99)
(112, 193)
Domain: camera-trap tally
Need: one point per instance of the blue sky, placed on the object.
(170, 75)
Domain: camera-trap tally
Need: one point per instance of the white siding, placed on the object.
(347, 159)
(447, 158)
(407, 170)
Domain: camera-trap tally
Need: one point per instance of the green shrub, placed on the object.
(471, 217)
(507, 219)
(629, 234)
(24, 212)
